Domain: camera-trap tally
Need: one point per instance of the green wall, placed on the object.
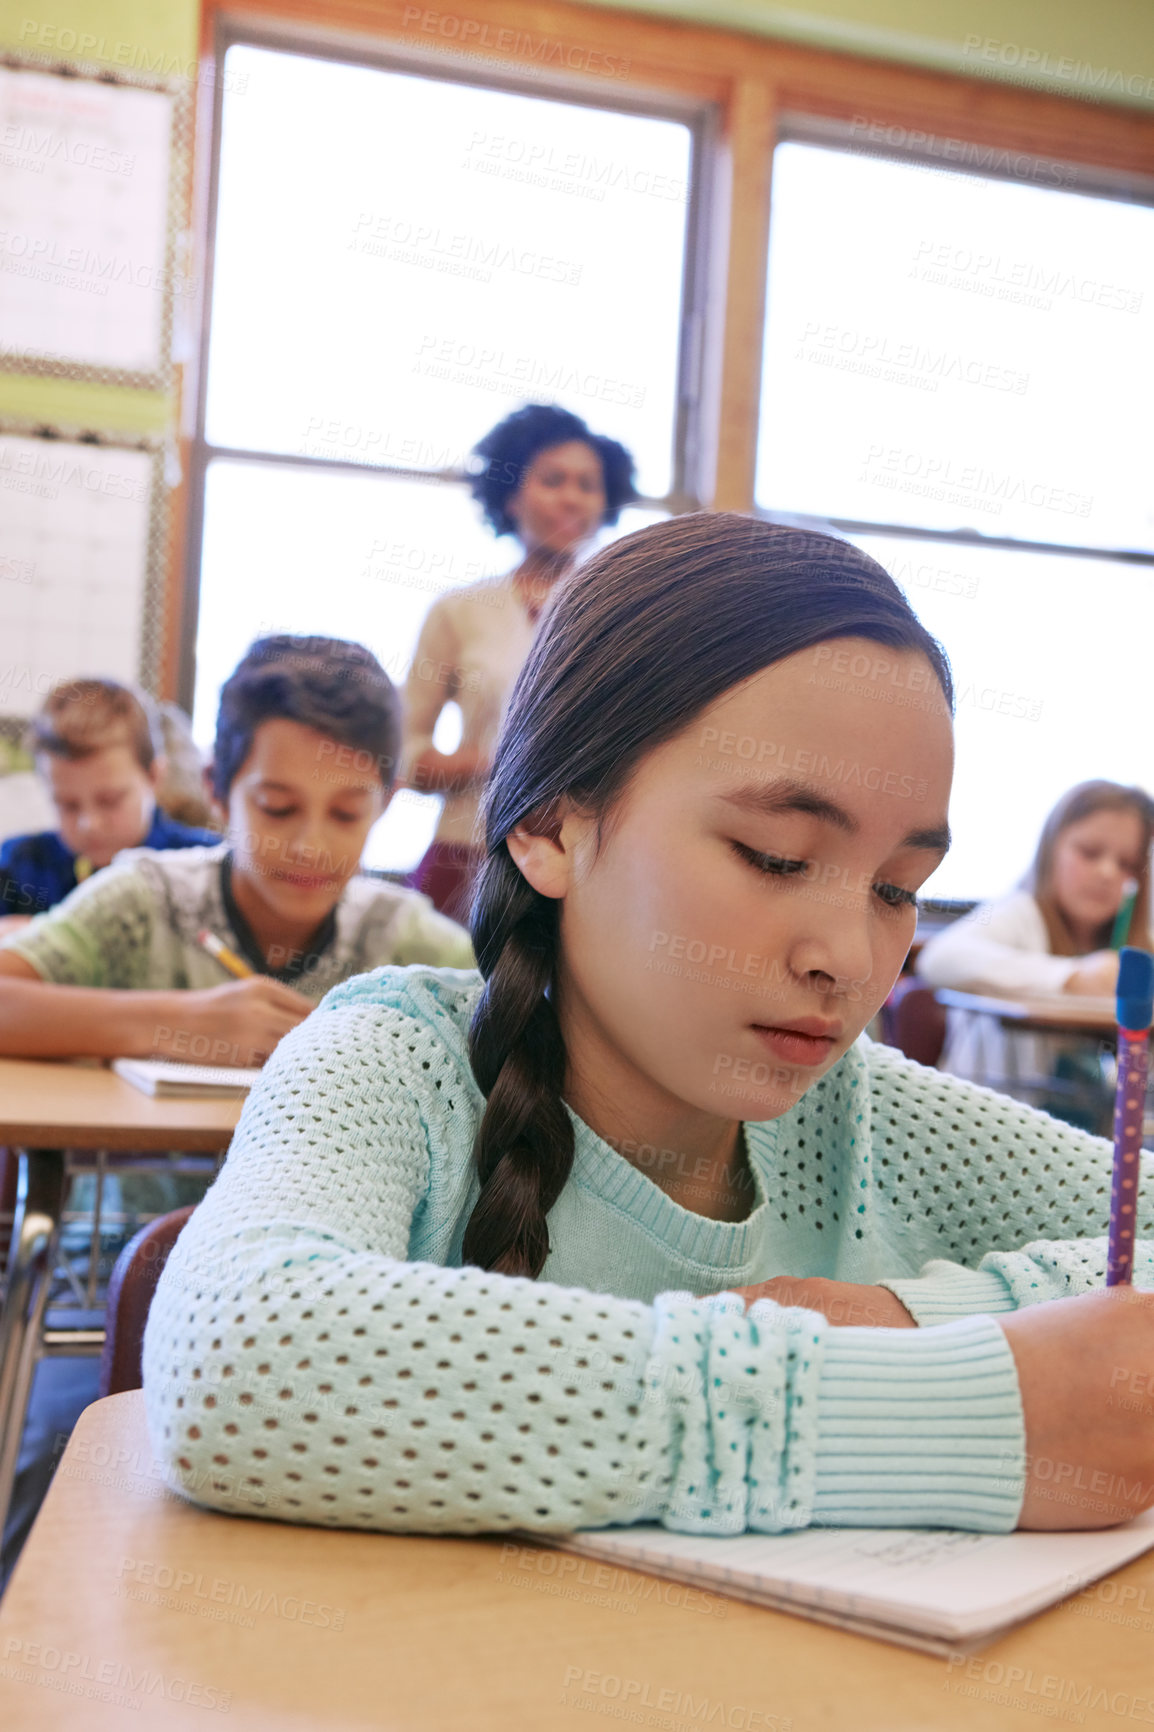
(1103, 51)
(137, 27)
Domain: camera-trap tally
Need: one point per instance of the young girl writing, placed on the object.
(481, 1254)
(1054, 934)
(1091, 875)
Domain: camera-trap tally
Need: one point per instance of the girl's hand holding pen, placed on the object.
(1089, 1450)
(846, 1304)
(1089, 1447)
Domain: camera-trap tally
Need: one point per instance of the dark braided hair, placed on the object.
(634, 645)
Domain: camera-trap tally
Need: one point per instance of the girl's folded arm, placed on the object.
(999, 948)
(297, 1365)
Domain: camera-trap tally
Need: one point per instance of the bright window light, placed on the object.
(391, 278)
(1050, 690)
(335, 554)
(953, 352)
(399, 261)
(956, 352)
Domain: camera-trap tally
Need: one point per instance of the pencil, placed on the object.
(1135, 1014)
(1122, 921)
(226, 957)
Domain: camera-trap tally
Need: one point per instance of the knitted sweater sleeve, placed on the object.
(1016, 1203)
(297, 1365)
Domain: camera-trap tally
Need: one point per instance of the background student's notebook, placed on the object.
(185, 1081)
(929, 1588)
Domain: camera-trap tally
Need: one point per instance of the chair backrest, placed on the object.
(914, 1021)
(130, 1291)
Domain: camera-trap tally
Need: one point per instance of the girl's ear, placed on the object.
(541, 848)
(541, 861)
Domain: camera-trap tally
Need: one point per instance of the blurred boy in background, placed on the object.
(99, 752)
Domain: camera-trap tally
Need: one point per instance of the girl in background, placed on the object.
(495, 1274)
(1055, 933)
(1087, 893)
(543, 477)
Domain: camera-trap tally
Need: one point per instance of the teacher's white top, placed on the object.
(470, 651)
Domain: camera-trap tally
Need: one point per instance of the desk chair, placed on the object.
(130, 1291)
(914, 1021)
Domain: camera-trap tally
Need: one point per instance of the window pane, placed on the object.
(957, 352)
(421, 257)
(1041, 704)
(339, 555)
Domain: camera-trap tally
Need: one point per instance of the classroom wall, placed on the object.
(157, 36)
(1103, 51)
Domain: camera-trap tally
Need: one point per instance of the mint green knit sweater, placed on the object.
(316, 1351)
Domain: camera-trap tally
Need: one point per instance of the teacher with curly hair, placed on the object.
(542, 476)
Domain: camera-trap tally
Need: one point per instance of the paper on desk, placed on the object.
(185, 1081)
(933, 1588)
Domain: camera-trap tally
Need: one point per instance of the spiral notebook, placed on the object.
(929, 1588)
(185, 1081)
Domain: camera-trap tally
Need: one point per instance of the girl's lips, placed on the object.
(794, 1047)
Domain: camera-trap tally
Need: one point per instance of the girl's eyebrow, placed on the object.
(767, 799)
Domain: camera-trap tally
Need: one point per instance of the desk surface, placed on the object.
(52, 1104)
(301, 1628)
(1063, 1011)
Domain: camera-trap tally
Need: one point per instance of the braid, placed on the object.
(524, 1146)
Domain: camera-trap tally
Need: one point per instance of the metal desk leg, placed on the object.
(35, 1232)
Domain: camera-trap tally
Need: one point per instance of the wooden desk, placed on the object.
(1018, 1068)
(347, 1632)
(53, 1103)
(1061, 1013)
(48, 1107)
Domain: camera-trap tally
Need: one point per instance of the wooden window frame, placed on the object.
(752, 84)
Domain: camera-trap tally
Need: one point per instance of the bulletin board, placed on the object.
(82, 519)
(92, 172)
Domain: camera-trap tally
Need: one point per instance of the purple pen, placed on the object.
(1135, 1014)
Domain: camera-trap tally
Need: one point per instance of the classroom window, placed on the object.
(346, 555)
(968, 354)
(399, 260)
